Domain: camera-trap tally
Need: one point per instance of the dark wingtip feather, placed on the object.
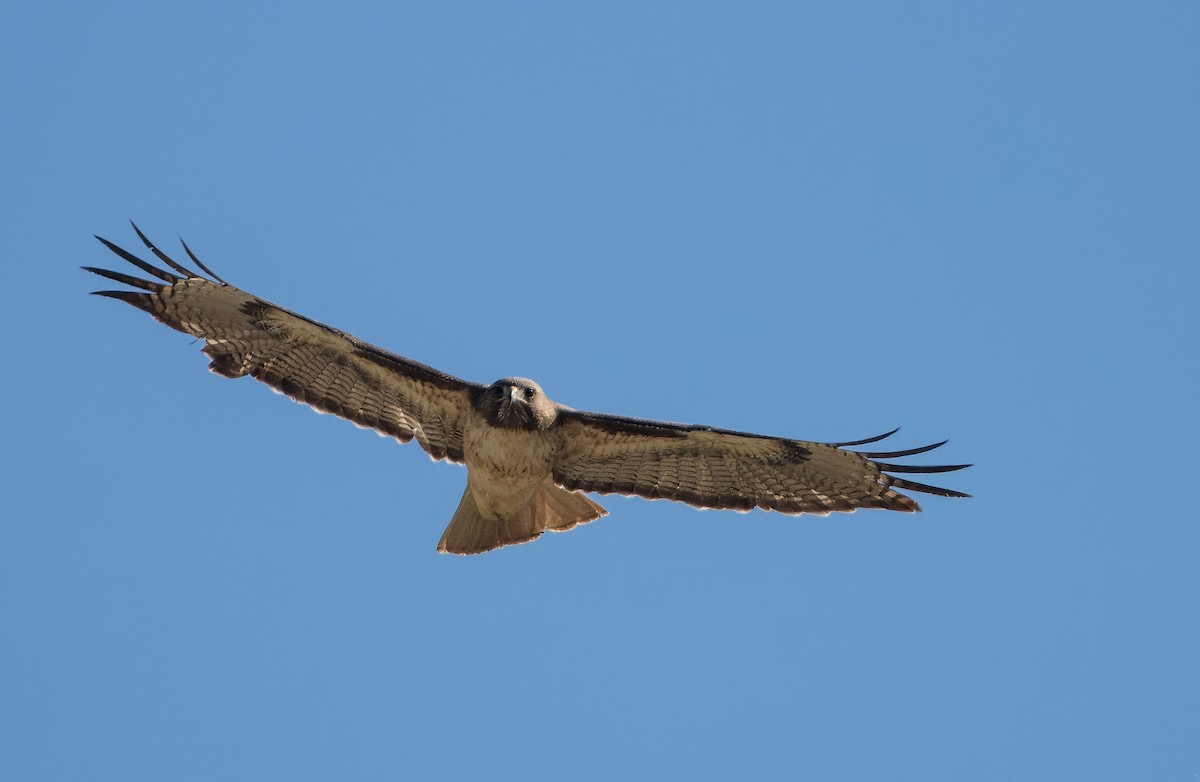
(136, 282)
(924, 488)
(897, 454)
(138, 262)
(200, 263)
(162, 256)
(875, 439)
(143, 301)
(886, 467)
(141, 235)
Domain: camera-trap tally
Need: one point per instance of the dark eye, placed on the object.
(497, 391)
(529, 392)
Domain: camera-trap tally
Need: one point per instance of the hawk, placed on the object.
(529, 460)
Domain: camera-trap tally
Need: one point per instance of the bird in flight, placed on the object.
(529, 460)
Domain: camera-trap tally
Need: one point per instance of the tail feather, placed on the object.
(550, 508)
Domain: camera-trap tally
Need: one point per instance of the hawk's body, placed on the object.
(528, 459)
(511, 496)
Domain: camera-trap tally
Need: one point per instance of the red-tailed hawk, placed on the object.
(528, 459)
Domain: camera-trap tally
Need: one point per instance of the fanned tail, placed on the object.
(550, 508)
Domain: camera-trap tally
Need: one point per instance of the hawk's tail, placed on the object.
(550, 508)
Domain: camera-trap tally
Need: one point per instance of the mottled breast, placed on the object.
(504, 465)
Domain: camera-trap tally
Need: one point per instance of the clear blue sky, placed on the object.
(975, 221)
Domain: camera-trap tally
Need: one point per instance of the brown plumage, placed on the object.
(528, 459)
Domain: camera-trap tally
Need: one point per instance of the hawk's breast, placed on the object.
(505, 465)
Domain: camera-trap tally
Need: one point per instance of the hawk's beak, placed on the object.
(514, 395)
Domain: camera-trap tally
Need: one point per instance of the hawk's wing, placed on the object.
(310, 362)
(718, 468)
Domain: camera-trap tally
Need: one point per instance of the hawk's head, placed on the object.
(515, 403)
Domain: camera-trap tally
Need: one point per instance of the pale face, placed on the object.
(517, 403)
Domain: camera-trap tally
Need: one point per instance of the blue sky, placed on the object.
(975, 221)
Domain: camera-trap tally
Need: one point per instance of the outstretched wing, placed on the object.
(308, 361)
(718, 468)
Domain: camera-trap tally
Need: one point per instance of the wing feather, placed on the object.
(306, 360)
(720, 468)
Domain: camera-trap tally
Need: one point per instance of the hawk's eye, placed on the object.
(497, 391)
(529, 392)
